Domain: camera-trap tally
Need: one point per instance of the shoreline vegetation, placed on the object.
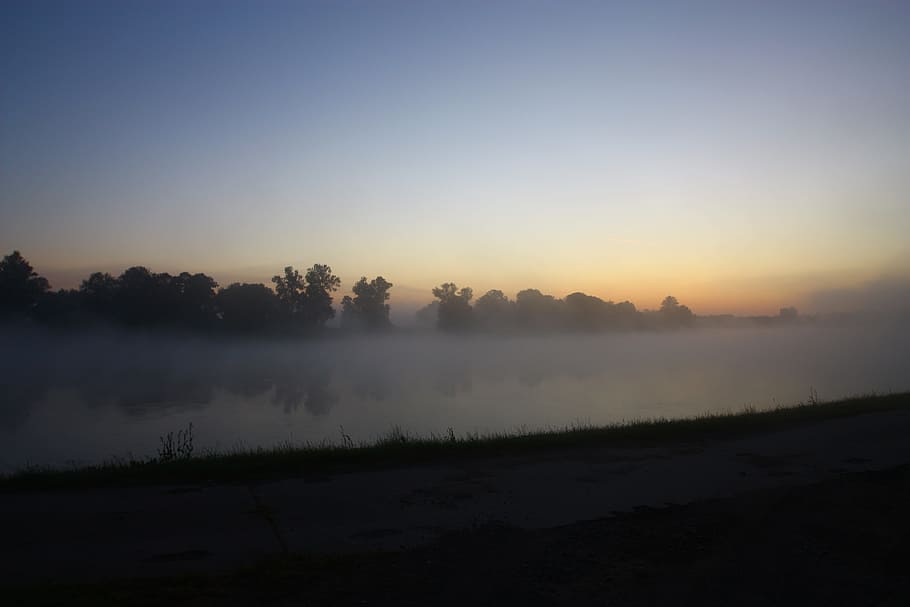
(179, 463)
(302, 304)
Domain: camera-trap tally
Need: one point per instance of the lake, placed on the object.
(68, 400)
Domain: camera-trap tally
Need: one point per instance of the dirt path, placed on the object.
(110, 533)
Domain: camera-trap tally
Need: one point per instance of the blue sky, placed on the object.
(738, 154)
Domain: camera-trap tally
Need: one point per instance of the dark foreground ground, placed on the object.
(843, 541)
(811, 512)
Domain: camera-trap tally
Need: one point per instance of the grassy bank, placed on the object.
(399, 447)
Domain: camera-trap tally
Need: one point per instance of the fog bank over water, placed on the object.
(86, 399)
(885, 300)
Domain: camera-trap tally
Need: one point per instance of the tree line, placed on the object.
(139, 298)
(300, 303)
(534, 311)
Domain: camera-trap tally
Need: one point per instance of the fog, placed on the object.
(885, 300)
(77, 399)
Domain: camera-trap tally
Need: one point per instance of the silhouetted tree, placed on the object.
(455, 312)
(20, 286)
(320, 284)
(143, 298)
(247, 307)
(623, 315)
(493, 310)
(290, 289)
(672, 314)
(195, 303)
(306, 301)
(351, 317)
(586, 312)
(536, 311)
(367, 309)
(99, 293)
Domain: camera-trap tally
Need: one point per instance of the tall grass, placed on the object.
(177, 463)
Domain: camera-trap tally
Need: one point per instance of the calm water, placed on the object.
(87, 400)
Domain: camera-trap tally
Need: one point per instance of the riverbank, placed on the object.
(400, 448)
(363, 534)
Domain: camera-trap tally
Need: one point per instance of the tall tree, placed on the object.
(290, 289)
(493, 310)
(320, 284)
(20, 286)
(368, 308)
(99, 293)
(455, 312)
(195, 300)
(672, 314)
(306, 301)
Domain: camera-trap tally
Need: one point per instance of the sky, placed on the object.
(742, 156)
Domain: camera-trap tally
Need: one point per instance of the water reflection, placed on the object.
(158, 388)
(264, 392)
(307, 387)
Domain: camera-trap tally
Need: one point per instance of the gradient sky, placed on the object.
(740, 155)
